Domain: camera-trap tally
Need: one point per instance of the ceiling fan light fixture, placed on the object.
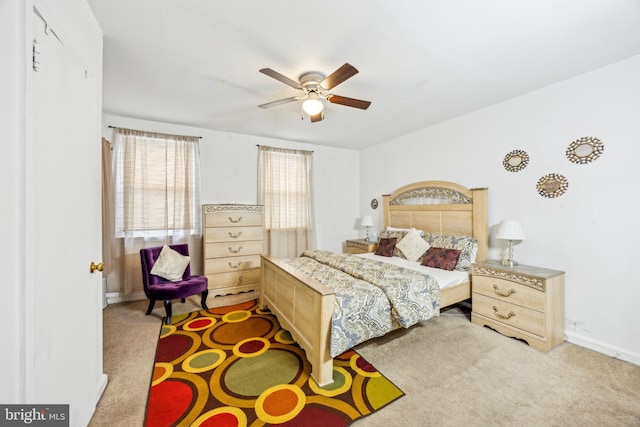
(313, 85)
(312, 106)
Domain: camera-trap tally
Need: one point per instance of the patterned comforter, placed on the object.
(372, 297)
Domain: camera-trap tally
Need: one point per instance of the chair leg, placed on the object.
(167, 308)
(152, 302)
(204, 299)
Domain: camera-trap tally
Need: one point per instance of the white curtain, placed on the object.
(284, 188)
(156, 201)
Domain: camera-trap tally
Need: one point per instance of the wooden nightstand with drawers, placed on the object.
(524, 302)
(360, 246)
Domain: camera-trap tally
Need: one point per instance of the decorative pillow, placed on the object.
(170, 264)
(444, 259)
(466, 244)
(431, 238)
(413, 246)
(386, 246)
(399, 234)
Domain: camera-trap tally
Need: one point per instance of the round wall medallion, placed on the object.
(374, 204)
(552, 185)
(585, 150)
(515, 161)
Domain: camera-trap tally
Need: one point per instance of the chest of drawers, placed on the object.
(233, 243)
(524, 302)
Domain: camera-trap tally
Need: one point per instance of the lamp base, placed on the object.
(509, 263)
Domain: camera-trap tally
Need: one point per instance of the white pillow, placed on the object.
(389, 228)
(413, 246)
(170, 264)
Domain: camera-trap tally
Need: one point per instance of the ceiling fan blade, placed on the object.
(317, 117)
(338, 76)
(279, 102)
(284, 79)
(349, 102)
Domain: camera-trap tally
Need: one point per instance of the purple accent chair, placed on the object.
(156, 288)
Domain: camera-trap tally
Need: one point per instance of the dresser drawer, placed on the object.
(509, 291)
(233, 234)
(233, 248)
(233, 219)
(509, 314)
(230, 264)
(236, 278)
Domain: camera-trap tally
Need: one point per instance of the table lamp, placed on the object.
(366, 222)
(510, 230)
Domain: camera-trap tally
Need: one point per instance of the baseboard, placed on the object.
(212, 301)
(614, 352)
(116, 297)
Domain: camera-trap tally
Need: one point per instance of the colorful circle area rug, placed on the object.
(235, 366)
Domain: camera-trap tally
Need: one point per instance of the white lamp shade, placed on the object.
(366, 221)
(510, 230)
(312, 106)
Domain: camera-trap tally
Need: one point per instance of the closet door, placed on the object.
(63, 322)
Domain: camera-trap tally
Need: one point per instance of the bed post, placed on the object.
(322, 363)
(480, 222)
(304, 307)
(385, 211)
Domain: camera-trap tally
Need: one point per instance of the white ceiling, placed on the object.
(421, 62)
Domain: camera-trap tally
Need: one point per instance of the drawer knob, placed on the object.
(235, 236)
(503, 294)
(231, 265)
(235, 221)
(502, 316)
(235, 251)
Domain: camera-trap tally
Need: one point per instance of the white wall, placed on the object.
(590, 231)
(229, 164)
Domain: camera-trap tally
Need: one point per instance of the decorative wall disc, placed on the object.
(374, 203)
(585, 150)
(515, 161)
(552, 185)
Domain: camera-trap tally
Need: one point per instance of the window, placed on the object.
(156, 184)
(284, 188)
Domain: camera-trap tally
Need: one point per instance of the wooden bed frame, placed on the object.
(304, 306)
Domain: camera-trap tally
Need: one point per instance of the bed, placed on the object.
(305, 306)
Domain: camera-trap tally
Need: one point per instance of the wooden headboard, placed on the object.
(440, 207)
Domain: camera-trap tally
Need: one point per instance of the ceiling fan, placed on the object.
(314, 86)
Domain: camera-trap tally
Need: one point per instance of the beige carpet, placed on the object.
(453, 373)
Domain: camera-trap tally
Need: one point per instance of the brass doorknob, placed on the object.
(93, 267)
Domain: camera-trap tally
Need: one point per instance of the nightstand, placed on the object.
(524, 302)
(360, 246)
